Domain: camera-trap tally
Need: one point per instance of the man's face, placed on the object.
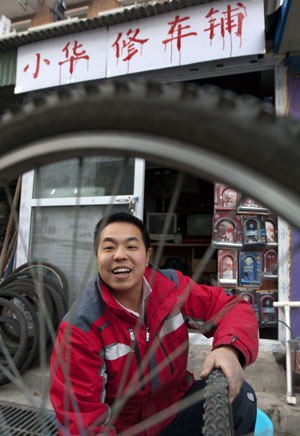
(122, 257)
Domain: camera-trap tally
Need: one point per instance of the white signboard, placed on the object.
(59, 61)
(215, 30)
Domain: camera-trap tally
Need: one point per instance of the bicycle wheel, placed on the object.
(217, 416)
(205, 131)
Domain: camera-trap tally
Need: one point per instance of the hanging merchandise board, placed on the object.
(215, 30)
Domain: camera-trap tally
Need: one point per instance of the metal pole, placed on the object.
(290, 396)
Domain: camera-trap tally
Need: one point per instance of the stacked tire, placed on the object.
(33, 301)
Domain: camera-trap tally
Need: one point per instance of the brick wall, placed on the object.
(97, 6)
(42, 16)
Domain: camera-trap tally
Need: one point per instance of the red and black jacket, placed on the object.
(104, 354)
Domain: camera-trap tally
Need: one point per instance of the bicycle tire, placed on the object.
(26, 286)
(28, 290)
(32, 276)
(217, 417)
(59, 309)
(10, 295)
(33, 344)
(56, 273)
(49, 288)
(207, 132)
(20, 352)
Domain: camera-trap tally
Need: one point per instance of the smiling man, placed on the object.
(121, 352)
(122, 260)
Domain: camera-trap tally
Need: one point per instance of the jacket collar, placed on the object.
(160, 285)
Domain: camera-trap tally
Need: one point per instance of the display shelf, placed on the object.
(183, 244)
(190, 253)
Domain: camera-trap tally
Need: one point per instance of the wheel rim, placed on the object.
(180, 155)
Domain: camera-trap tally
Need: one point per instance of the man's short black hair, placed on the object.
(121, 217)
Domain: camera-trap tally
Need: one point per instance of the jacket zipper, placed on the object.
(166, 354)
(147, 334)
(138, 358)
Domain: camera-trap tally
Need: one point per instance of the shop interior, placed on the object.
(191, 229)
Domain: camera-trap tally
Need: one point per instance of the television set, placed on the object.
(199, 225)
(156, 226)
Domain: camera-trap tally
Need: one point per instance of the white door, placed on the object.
(61, 204)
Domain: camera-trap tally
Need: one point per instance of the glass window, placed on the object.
(63, 236)
(97, 177)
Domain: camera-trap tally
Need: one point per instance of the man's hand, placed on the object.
(226, 359)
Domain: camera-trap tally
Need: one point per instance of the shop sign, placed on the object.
(215, 30)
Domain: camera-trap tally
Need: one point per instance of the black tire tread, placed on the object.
(238, 127)
(217, 412)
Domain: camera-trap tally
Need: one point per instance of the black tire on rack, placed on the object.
(20, 353)
(24, 285)
(32, 349)
(26, 288)
(59, 290)
(217, 417)
(59, 310)
(25, 306)
(48, 271)
(208, 132)
(31, 274)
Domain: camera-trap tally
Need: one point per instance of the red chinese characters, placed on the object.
(72, 55)
(176, 32)
(37, 65)
(76, 55)
(185, 37)
(227, 21)
(129, 44)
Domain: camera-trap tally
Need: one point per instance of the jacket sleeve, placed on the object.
(229, 319)
(77, 384)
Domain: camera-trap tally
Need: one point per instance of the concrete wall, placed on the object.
(294, 110)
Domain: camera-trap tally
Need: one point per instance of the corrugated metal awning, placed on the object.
(107, 18)
(117, 16)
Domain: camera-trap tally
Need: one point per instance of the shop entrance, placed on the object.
(245, 266)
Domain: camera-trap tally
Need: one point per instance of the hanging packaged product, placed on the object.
(227, 267)
(270, 263)
(227, 230)
(271, 230)
(250, 296)
(225, 198)
(250, 268)
(268, 316)
(254, 232)
(248, 205)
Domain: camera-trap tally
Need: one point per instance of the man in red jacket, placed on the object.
(120, 359)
